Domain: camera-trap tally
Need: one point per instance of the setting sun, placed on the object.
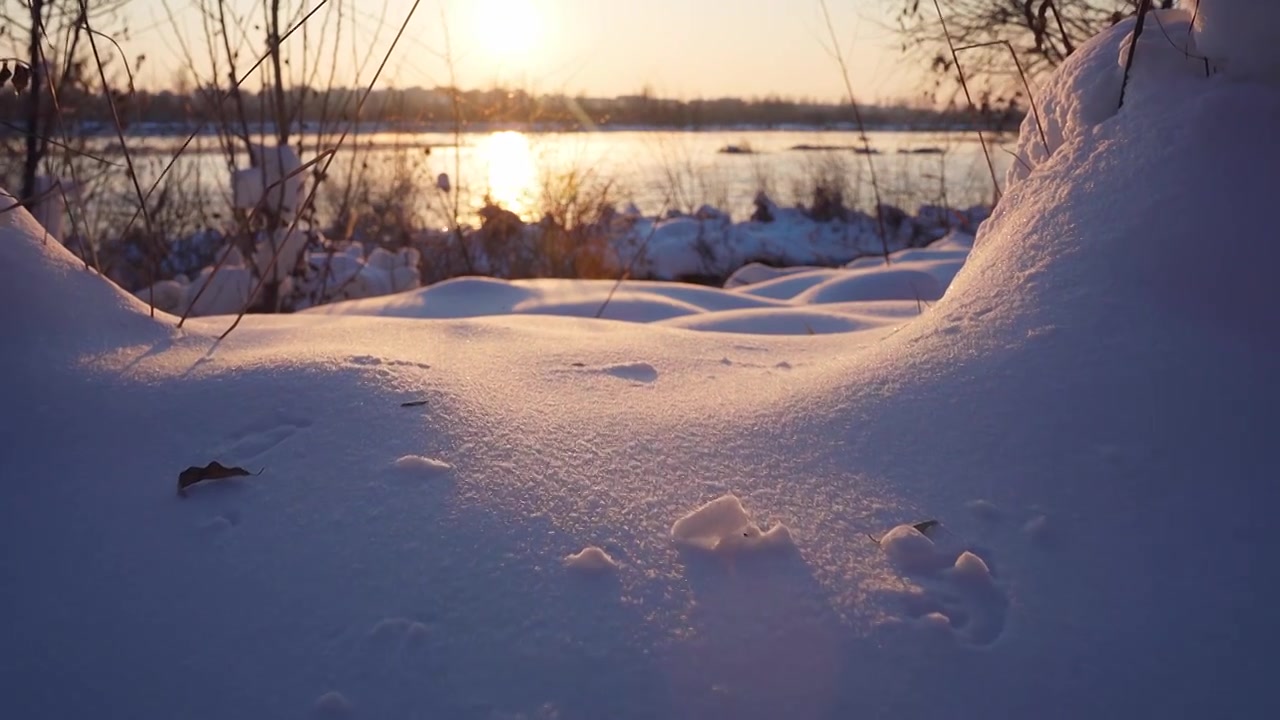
(508, 29)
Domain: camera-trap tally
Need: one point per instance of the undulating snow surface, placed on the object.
(866, 296)
(1088, 412)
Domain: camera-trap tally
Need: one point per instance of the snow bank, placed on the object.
(50, 298)
(722, 525)
(713, 246)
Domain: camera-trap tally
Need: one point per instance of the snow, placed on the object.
(332, 705)
(1238, 36)
(1101, 367)
(710, 244)
(331, 278)
(722, 525)
(970, 570)
(422, 466)
(910, 549)
(590, 559)
(274, 182)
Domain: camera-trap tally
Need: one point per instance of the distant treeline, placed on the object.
(441, 108)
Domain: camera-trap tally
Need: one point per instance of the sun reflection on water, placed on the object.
(512, 175)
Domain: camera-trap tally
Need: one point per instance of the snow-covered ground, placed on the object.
(518, 515)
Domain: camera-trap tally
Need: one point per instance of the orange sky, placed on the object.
(677, 48)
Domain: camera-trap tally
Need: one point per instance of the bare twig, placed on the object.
(222, 97)
(1067, 45)
(626, 272)
(35, 200)
(328, 161)
(964, 84)
(862, 128)
(62, 145)
(85, 240)
(124, 147)
(248, 221)
(1133, 48)
(1035, 111)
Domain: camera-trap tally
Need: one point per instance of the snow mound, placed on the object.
(722, 525)
(753, 273)
(52, 298)
(971, 571)
(889, 284)
(332, 705)
(591, 559)
(420, 465)
(781, 302)
(911, 550)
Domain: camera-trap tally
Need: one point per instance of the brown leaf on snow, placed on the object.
(213, 471)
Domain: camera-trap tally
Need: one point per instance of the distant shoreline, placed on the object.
(308, 129)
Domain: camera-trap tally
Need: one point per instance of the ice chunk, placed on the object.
(723, 525)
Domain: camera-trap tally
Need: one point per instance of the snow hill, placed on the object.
(579, 518)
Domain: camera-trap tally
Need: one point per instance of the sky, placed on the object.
(673, 48)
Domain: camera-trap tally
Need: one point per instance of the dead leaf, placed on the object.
(213, 471)
(413, 403)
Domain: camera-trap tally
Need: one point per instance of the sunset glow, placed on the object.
(508, 30)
